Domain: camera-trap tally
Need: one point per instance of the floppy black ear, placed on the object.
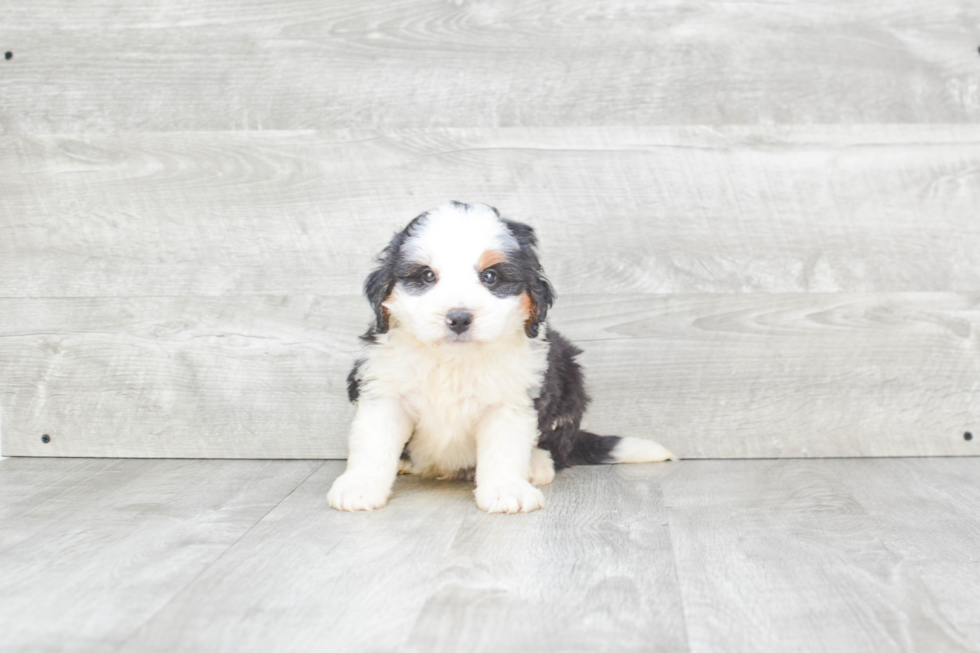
(538, 288)
(542, 297)
(377, 287)
(381, 281)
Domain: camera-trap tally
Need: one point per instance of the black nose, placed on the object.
(459, 320)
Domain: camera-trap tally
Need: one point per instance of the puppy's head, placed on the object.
(460, 274)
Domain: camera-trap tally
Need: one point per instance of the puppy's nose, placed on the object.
(459, 320)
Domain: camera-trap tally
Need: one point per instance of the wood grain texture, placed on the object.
(756, 375)
(510, 585)
(102, 546)
(798, 375)
(932, 527)
(37, 494)
(811, 556)
(260, 377)
(779, 555)
(185, 66)
(312, 578)
(431, 573)
(666, 210)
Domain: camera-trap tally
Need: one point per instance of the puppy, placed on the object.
(460, 371)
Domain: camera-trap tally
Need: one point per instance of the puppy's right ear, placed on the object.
(381, 282)
(378, 287)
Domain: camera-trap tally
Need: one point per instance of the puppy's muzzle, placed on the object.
(459, 320)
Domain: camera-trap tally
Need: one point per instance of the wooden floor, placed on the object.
(222, 555)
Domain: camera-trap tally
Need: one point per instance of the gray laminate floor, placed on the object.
(243, 555)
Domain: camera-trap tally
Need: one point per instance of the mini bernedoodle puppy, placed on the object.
(461, 372)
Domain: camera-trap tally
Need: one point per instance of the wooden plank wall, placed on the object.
(763, 222)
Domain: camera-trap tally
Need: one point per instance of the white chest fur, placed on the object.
(447, 390)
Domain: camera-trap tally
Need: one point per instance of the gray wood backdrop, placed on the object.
(763, 221)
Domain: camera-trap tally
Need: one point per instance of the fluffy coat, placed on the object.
(461, 375)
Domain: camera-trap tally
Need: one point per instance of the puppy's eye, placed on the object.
(489, 277)
(429, 276)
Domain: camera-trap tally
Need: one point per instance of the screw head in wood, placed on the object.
(8, 55)
(967, 436)
(45, 438)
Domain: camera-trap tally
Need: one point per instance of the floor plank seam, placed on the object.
(450, 552)
(107, 490)
(677, 574)
(208, 566)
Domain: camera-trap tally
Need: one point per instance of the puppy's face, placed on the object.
(460, 274)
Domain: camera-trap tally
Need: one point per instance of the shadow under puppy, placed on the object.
(461, 372)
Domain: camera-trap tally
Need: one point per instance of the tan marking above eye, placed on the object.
(488, 258)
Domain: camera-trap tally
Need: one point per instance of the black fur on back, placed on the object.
(560, 407)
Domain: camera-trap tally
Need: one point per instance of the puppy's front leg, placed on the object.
(504, 441)
(379, 432)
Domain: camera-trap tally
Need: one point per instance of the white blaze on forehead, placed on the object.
(453, 237)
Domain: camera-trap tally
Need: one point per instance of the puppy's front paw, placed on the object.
(354, 492)
(509, 496)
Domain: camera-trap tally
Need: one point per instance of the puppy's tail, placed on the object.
(592, 449)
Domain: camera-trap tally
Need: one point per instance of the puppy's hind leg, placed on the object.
(542, 467)
(405, 467)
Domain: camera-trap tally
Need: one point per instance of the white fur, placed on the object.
(639, 450)
(459, 401)
(464, 400)
(542, 467)
(451, 245)
(448, 392)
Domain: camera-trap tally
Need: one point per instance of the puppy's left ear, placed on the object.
(539, 290)
(542, 297)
